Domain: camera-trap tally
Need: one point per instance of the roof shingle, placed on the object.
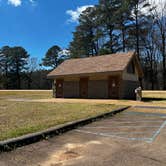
(90, 65)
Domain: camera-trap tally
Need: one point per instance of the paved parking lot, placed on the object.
(129, 138)
(128, 125)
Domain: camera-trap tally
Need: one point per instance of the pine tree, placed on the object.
(85, 38)
(51, 57)
(4, 65)
(18, 63)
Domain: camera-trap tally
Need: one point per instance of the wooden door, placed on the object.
(113, 87)
(59, 88)
(84, 88)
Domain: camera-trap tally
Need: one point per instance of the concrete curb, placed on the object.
(151, 107)
(11, 144)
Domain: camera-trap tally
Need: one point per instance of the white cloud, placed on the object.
(74, 14)
(15, 3)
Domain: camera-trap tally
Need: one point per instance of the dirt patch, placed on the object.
(67, 155)
(69, 152)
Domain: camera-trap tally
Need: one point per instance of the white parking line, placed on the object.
(134, 134)
(98, 127)
(137, 119)
(141, 117)
(133, 122)
(131, 132)
(113, 136)
(158, 132)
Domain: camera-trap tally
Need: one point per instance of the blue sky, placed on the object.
(39, 24)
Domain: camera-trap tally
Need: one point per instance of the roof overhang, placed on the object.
(84, 74)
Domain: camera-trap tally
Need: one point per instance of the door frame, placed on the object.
(61, 81)
(118, 77)
(83, 80)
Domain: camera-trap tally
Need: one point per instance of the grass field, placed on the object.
(154, 94)
(20, 114)
(19, 118)
(28, 94)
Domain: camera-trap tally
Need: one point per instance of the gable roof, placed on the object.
(92, 65)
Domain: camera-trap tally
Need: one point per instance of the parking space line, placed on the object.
(133, 122)
(114, 136)
(98, 127)
(158, 132)
(140, 119)
(131, 132)
(146, 127)
(142, 116)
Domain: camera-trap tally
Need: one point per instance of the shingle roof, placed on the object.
(90, 65)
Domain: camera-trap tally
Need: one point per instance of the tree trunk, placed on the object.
(18, 76)
(123, 38)
(151, 70)
(6, 76)
(164, 61)
(137, 31)
(152, 76)
(29, 80)
(111, 40)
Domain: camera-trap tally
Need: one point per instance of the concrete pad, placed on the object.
(114, 145)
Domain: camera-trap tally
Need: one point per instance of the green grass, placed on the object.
(20, 118)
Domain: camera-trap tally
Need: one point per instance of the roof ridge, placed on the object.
(97, 56)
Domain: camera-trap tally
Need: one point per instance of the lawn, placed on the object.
(157, 98)
(28, 115)
(19, 118)
(154, 94)
(28, 94)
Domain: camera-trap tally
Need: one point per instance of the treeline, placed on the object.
(124, 25)
(19, 71)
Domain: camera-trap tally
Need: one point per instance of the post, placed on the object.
(53, 89)
(138, 92)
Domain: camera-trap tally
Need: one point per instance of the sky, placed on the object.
(39, 24)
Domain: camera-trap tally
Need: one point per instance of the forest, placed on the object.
(109, 27)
